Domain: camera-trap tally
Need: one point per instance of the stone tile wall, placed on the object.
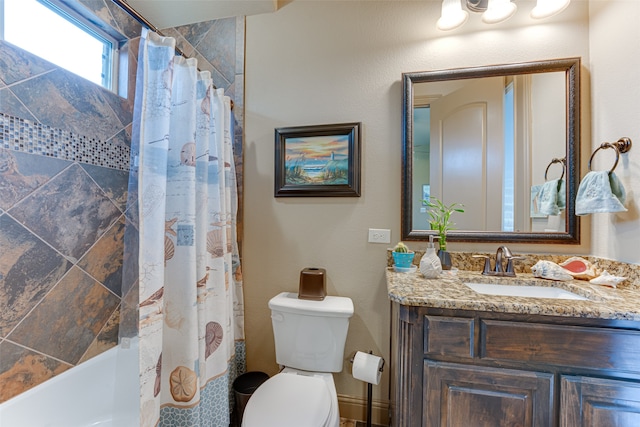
(64, 169)
(62, 226)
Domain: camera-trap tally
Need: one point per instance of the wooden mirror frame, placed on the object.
(571, 68)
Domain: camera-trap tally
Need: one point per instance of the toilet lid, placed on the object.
(288, 400)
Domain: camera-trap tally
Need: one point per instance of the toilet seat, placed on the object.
(289, 399)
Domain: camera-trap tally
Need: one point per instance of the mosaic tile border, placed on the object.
(35, 138)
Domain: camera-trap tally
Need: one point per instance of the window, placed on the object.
(60, 35)
(508, 183)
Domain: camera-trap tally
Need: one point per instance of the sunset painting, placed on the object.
(317, 160)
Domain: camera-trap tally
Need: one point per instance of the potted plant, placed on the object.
(440, 222)
(402, 256)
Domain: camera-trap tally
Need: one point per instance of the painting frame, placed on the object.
(318, 160)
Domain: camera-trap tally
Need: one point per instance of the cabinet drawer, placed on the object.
(600, 348)
(448, 336)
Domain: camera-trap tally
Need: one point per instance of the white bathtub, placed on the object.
(101, 392)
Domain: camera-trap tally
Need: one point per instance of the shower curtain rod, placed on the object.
(142, 20)
(145, 22)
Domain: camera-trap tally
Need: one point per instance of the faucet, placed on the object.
(500, 269)
(506, 252)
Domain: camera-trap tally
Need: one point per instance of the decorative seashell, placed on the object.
(580, 268)
(607, 279)
(173, 316)
(188, 154)
(214, 243)
(169, 249)
(183, 384)
(550, 270)
(213, 338)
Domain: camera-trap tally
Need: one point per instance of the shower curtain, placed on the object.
(191, 331)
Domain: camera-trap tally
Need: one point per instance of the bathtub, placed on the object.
(91, 394)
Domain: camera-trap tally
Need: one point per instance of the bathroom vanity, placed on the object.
(460, 358)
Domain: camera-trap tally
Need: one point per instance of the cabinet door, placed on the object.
(598, 402)
(461, 396)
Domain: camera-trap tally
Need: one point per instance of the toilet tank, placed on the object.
(310, 335)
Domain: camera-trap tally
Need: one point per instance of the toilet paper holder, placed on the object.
(369, 388)
(370, 352)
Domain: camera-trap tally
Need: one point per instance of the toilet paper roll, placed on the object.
(367, 367)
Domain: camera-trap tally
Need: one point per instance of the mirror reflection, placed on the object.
(501, 140)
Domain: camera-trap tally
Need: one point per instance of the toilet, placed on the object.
(309, 340)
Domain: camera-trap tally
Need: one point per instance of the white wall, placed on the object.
(615, 72)
(341, 61)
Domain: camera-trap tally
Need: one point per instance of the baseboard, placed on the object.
(355, 408)
(363, 424)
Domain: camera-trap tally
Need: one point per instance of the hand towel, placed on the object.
(562, 195)
(600, 191)
(552, 197)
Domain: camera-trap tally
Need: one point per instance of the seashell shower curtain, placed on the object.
(191, 325)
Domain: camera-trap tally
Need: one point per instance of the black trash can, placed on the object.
(243, 388)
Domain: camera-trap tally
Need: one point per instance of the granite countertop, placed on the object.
(449, 292)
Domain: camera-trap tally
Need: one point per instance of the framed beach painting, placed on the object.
(318, 161)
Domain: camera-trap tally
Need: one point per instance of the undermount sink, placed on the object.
(524, 291)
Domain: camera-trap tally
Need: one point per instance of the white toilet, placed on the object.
(309, 338)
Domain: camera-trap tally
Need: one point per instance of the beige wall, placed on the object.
(341, 61)
(615, 68)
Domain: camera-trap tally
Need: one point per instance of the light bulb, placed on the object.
(452, 15)
(548, 8)
(498, 11)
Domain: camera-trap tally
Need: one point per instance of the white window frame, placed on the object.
(111, 52)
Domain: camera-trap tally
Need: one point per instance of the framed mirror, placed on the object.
(492, 138)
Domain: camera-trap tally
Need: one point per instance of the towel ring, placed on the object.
(621, 146)
(555, 160)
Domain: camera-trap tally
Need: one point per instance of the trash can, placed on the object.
(243, 388)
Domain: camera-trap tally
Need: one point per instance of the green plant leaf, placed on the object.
(440, 218)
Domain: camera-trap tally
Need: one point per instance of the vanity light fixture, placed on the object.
(493, 11)
(498, 11)
(548, 8)
(453, 16)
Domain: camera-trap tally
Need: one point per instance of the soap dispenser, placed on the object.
(430, 265)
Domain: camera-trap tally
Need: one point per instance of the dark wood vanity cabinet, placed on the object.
(463, 395)
(587, 401)
(480, 369)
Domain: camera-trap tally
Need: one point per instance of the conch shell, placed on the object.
(607, 279)
(550, 270)
(580, 268)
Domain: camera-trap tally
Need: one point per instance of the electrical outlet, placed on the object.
(377, 235)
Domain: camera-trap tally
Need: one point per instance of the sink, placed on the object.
(524, 291)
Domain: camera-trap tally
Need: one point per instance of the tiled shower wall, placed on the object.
(64, 160)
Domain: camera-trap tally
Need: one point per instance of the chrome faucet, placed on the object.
(506, 252)
(500, 269)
